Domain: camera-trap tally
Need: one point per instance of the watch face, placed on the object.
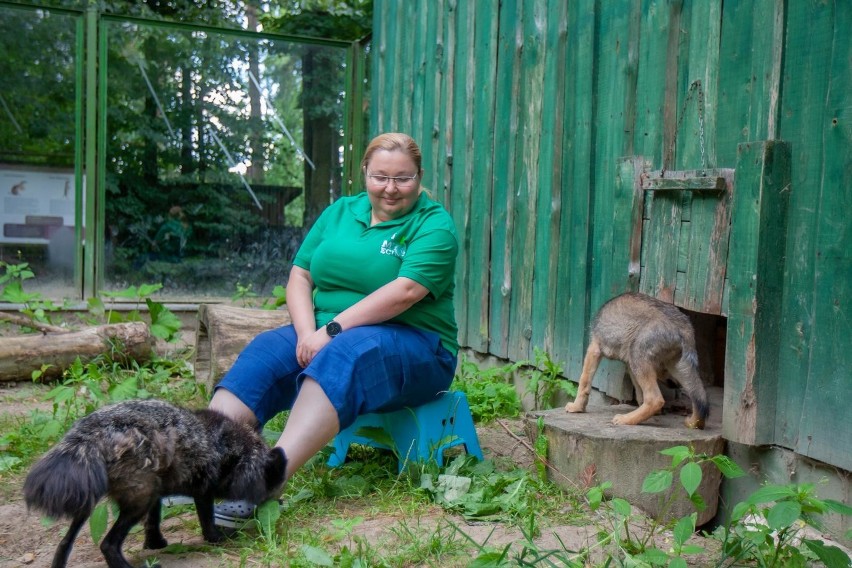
(333, 328)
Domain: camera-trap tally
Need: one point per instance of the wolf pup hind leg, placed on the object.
(137, 452)
(654, 339)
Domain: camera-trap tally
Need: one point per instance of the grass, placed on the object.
(479, 514)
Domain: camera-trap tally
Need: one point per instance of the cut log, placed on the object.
(222, 333)
(21, 355)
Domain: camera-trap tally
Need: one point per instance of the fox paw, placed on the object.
(575, 407)
(155, 543)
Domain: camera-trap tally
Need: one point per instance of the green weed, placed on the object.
(544, 381)
(489, 392)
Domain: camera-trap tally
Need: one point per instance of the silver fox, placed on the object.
(137, 452)
(654, 339)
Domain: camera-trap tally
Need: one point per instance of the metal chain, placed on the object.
(693, 88)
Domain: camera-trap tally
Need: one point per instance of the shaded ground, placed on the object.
(26, 540)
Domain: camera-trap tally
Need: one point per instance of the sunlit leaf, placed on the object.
(690, 477)
(657, 481)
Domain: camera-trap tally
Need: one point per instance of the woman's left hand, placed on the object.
(306, 350)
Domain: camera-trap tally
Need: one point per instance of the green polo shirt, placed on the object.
(348, 260)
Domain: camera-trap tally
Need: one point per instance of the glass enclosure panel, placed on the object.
(221, 149)
(39, 195)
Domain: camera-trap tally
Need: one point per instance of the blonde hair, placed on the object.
(394, 142)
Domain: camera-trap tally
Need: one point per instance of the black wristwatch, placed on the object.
(333, 328)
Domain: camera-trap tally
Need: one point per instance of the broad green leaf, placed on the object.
(691, 549)
(125, 390)
(268, 514)
(317, 556)
(739, 511)
(838, 507)
(783, 514)
(657, 481)
(831, 556)
(678, 454)
(595, 496)
(690, 477)
(677, 563)
(490, 560)
(770, 493)
(7, 462)
(620, 506)
(698, 501)
(727, 466)
(98, 522)
(654, 556)
(684, 528)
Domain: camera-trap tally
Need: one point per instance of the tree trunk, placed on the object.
(20, 356)
(222, 333)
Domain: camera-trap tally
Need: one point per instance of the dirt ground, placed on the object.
(25, 540)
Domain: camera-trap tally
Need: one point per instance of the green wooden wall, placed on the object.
(528, 111)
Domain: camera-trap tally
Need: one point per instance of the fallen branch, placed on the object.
(55, 352)
(532, 451)
(24, 321)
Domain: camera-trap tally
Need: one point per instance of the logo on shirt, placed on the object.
(394, 246)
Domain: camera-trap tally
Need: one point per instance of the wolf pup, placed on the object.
(137, 452)
(653, 338)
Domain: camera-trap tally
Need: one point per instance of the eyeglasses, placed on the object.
(402, 182)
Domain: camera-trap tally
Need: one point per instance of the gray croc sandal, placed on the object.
(233, 514)
(175, 500)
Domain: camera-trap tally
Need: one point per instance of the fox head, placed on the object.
(258, 482)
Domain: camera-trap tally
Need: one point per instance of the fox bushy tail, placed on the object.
(67, 482)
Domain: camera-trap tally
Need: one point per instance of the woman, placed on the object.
(370, 296)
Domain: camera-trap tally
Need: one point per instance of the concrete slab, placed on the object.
(588, 443)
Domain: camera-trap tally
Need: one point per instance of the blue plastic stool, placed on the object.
(419, 434)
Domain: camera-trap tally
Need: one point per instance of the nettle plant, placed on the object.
(768, 529)
(621, 541)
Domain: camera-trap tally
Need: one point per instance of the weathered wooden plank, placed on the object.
(419, 56)
(706, 274)
(444, 103)
(378, 111)
(806, 84)
(661, 242)
(572, 307)
(529, 148)
(825, 404)
(404, 70)
(481, 182)
(507, 79)
(462, 170)
(615, 49)
(755, 265)
(656, 22)
(432, 74)
(686, 184)
(749, 73)
(549, 206)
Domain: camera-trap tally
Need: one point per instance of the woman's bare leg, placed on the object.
(312, 424)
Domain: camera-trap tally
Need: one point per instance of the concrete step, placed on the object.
(583, 444)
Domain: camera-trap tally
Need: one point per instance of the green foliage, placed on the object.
(490, 392)
(620, 539)
(544, 381)
(540, 446)
(34, 306)
(766, 529)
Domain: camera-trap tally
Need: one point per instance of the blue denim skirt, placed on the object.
(365, 369)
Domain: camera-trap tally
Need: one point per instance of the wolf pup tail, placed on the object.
(690, 381)
(66, 482)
